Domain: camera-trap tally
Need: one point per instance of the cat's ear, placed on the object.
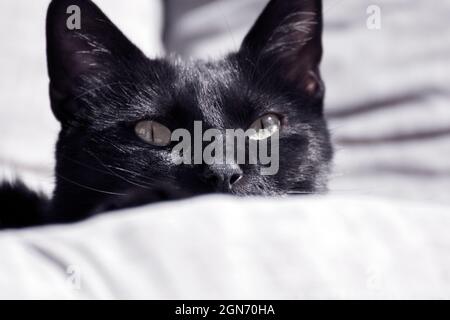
(287, 39)
(81, 43)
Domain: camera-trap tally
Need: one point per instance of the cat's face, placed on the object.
(103, 89)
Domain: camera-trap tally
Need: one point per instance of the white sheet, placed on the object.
(224, 248)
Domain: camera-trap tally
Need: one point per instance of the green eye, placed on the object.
(265, 127)
(153, 133)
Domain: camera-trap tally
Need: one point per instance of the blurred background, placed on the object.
(386, 68)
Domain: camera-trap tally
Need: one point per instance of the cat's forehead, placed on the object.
(214, 88)
(212, 70)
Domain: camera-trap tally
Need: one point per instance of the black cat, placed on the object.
(116, 108)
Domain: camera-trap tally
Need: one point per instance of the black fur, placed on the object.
(20, 207)
(101, 85)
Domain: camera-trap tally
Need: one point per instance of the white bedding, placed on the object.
(381, 233)
(224, 248)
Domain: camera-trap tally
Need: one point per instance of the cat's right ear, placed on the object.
(82, 44)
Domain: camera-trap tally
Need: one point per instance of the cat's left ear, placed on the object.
(287, 40)
(82, 44)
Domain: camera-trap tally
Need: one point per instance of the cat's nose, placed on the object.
(224, 176)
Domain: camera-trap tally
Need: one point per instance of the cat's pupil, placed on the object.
(153, 133)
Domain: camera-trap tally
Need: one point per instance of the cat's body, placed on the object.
(101, 86)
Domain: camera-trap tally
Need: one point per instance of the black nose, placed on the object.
(223, 177)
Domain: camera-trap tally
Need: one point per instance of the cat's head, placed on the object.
(117, 109)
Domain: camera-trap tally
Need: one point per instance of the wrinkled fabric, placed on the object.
(225, 248)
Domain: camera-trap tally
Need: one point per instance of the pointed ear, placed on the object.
(287, 39)
(81, 43)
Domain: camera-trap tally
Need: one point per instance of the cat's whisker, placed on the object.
(109, 171)
(84, 164)
(136, 174)
(136, 177)
(90, 188)
(106, 140)
(146, 178)
(145, 186)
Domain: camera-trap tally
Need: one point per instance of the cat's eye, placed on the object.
(265, 127)
(153, 133)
